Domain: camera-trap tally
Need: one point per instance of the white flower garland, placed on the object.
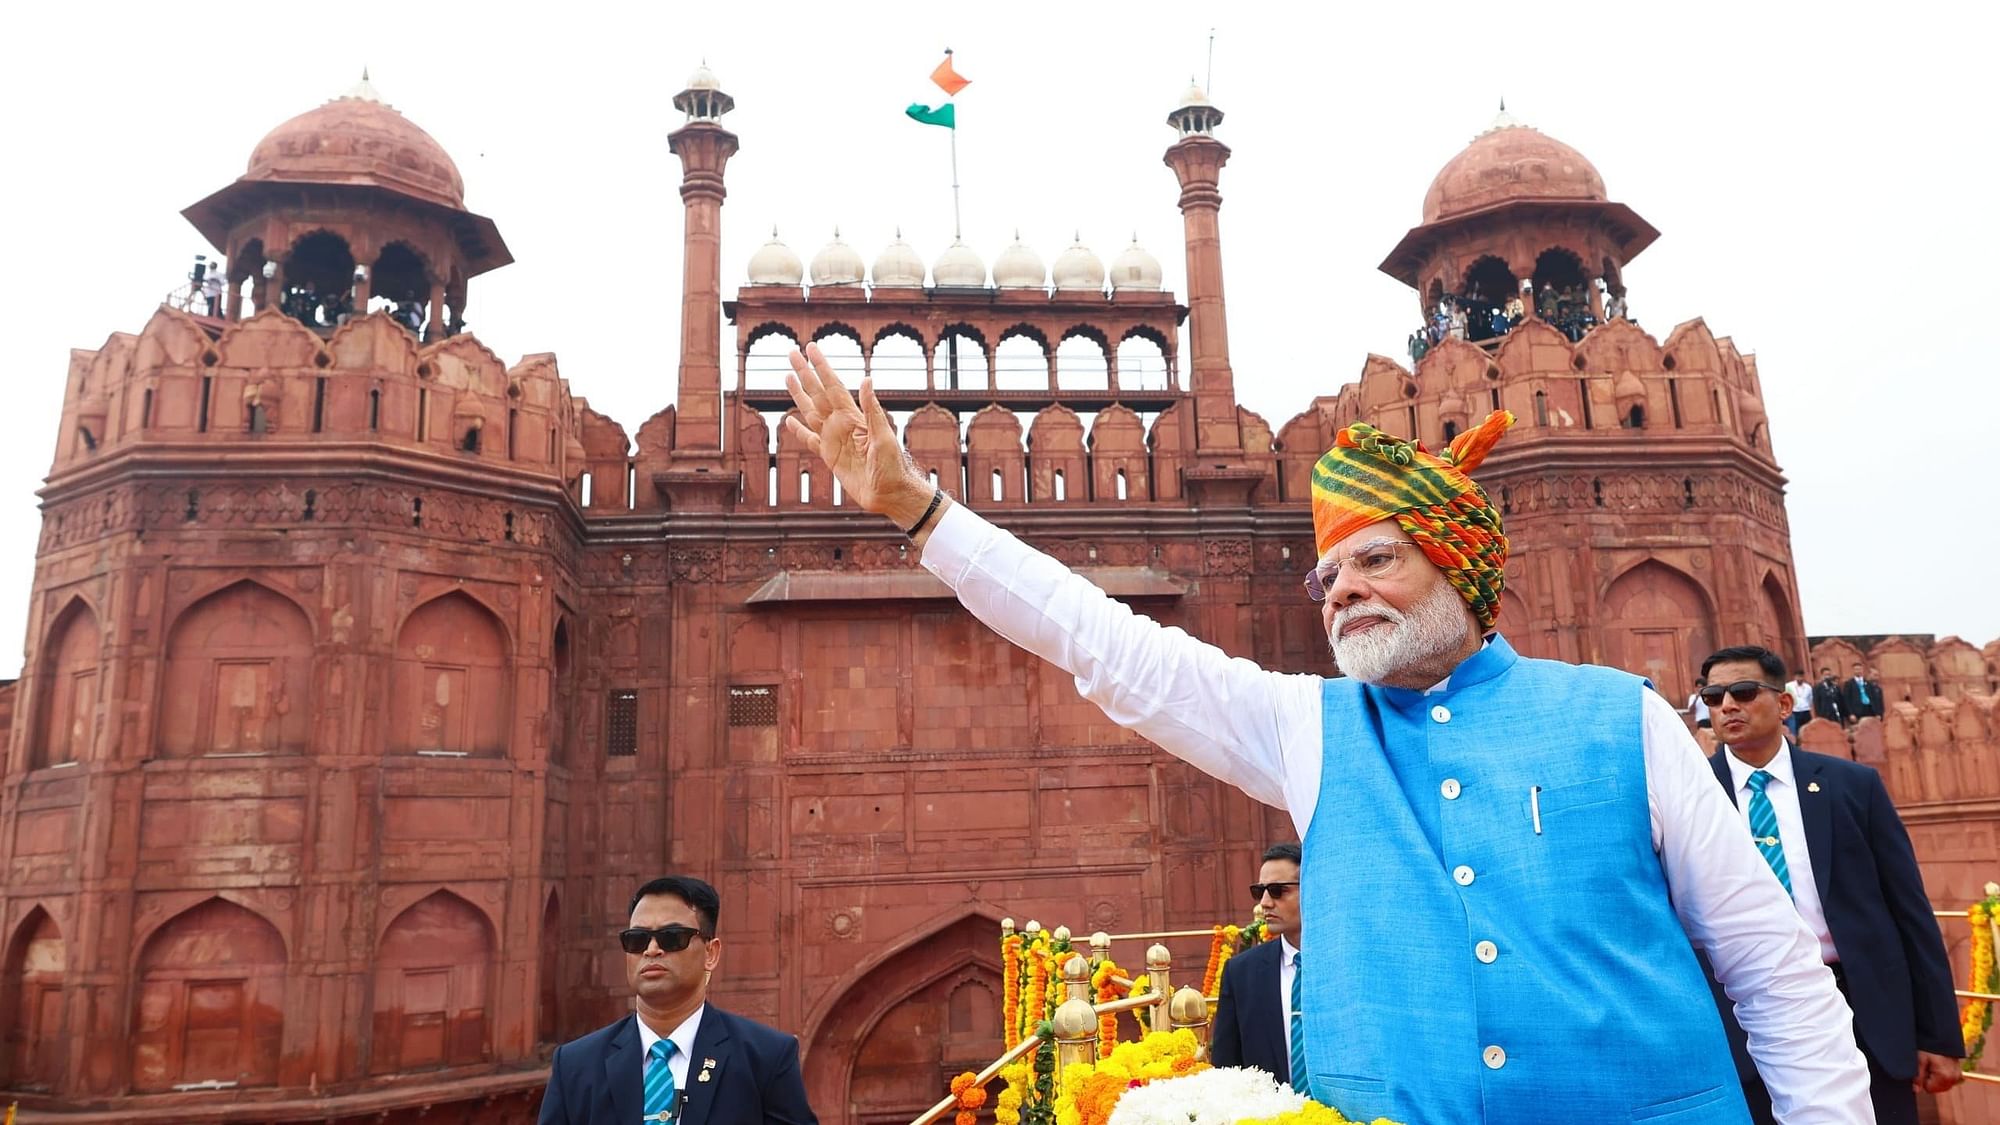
(1221, 1096)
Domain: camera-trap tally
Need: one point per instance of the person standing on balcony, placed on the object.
(1828, 831)
(1826, 697)
(1861, 697)
(1259, 1020)
(1509, 856)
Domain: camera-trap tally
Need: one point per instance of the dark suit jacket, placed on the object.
(1250, 1014)
(1826, 699)
(1850, 699)
(1898, 978)
(755, 1080)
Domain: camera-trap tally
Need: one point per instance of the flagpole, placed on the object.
(956, 231)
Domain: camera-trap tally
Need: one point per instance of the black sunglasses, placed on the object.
(1742, 691)
(672, 939)
(1277, 890)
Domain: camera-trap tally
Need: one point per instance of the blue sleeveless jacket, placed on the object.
(1462, 966)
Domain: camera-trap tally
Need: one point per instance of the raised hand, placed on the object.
(856, 440)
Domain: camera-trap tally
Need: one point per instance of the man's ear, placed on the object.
(712, 956)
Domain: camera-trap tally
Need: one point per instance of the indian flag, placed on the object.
(948, 80)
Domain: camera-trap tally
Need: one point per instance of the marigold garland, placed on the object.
(1007, 1107)
(1210, 972)
(1091, 1090)
(1977, 1016)
(1140, 984)
(1010, 1004)
(1212, 985)
(1037, 1000)
(1105, 991)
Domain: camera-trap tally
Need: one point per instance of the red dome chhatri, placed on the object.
(1510, 162)
(359, 139)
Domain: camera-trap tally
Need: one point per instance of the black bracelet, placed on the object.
(937, 498)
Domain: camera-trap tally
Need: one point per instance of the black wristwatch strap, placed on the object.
(937, 498)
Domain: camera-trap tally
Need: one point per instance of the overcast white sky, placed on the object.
(1824, 186)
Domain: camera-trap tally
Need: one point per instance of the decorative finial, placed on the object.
(1503, 103)
(899, 232)
(774, 232)
(836, 232)
(1076, 235)
(364, 72)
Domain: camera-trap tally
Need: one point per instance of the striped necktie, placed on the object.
(1299, 1082)
(1764, 828)
(659, 1082)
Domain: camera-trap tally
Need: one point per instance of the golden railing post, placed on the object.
(1100, 946)
(1006, 928)
(1159, 970)
(1075, 1023)
(1189, 1009)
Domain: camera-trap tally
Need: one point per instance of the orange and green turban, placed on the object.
(1369, 476)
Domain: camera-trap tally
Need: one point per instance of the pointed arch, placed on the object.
(31, 1000)
(562, 685)
(66, 703)
(1774, 612)
(433, 974)
(451, 688)
(238, 675)
(209, 1000)
(548, 993)
(916, 976)
(1660, 624)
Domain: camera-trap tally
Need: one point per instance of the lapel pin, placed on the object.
(704, 1075)
(1812, 787)
(708, 1064)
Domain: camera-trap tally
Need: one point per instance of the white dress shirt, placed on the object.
(1260, 731)
(1783, 790)
(1802, 695)
(677, 1059)
(1288, 968)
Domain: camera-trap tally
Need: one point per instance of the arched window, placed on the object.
(319, 279)
(211, 992)
(1021, 361)
(432, 978)
(548, 997)
(67, 705)
(400, 282)
(1082, 363)
(238, 676)
(450, 685)
(897, 359)
(767, 357)
(32, 990)
(1142, 364)
(960, 363)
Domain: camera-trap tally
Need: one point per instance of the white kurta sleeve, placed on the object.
(1256, 730)
(1800, 1030)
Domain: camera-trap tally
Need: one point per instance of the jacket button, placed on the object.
(1486, 951)
(1440, 714)
(1462, 875)
(1449, 789)
(1495, 1058)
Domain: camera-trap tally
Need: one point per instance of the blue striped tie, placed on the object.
(1764, 828)
(659, 1082)
(1299, 1082)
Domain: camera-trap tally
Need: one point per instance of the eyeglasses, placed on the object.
(1742, 691)
(1277, 891)
(1378, 559)
(672, 939)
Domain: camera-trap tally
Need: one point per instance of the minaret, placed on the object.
(1197, 160)
(704, 147)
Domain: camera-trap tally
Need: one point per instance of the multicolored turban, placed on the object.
(1369, 476)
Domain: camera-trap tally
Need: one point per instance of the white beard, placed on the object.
(1433, 628)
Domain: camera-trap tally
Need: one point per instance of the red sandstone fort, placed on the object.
(367, 673)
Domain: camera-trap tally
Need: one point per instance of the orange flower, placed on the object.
(962, 1083)
(967, 1117)
(972, 1098)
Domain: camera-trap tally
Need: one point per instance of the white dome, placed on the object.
(1194, 96)
(959, 267)
(775, 264)
(898, 266)
(836, 264)
(1136, 269)
(1078, 268)
(1019, 267)
(703, 79)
